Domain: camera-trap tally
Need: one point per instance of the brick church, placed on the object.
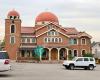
(58, 41)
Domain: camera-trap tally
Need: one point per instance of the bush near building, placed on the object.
(88, 55)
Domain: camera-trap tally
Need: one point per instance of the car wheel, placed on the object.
(91, 67)
(66, 67)
(71, 67)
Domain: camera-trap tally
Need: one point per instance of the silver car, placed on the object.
(4, 61)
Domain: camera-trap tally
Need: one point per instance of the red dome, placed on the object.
(46, 16)
(13, 13)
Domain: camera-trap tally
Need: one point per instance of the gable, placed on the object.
(58, 26)
(48, 27)
(52, 30)
(82, 34)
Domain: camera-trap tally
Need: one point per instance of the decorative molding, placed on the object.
(52, 29)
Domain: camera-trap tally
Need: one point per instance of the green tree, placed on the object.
(3, 43)
(70, 57)
(38, 52)
(88, 55)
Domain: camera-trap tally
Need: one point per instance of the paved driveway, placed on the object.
(32, 71)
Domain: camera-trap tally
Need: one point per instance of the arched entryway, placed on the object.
(45, 55)
(62, 54)
(75, 53)
(54, 54)
(70, 54)
(83, 52)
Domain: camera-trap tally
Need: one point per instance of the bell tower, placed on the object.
(12, 33)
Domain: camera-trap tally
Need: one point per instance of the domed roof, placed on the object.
(46, 16)
(13, 13)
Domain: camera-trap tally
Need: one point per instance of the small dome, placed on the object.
(13, 13)
(46, 16)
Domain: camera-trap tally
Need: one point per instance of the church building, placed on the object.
(57, 41)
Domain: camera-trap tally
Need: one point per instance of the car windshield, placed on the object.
(74, 59)
(4, 55)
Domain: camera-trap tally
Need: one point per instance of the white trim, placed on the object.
(52, 24)
(58, 41)
(14, 40)
(31, 40)
(28, 38)
(14, 28)
(55, 33)
(81, 41)
(77, 41)
(42, 26)
(22, 40)
(50, 30)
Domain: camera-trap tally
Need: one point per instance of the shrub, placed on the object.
(88, 55)
(70, 57)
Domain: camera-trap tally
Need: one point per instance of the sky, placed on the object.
(84, 15)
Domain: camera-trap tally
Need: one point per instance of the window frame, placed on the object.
(28, 40)
(11, 40)
(11, 28)
(82, 41)
(34, 40)
(72, 41)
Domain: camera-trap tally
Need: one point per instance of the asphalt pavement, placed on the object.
(35, 71)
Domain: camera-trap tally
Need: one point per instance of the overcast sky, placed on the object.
(84, 15)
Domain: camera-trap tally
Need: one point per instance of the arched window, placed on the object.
(83, 41)
(56, 40)
(12, 28)
(75, 53)
(83, 52)
(60, 40)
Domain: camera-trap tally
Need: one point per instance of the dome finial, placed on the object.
(13, 12)
(47, 16)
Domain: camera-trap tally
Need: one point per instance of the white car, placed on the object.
(4, 61)
(80, 62)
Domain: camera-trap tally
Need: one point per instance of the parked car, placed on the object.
(4, 61)
(80, 62)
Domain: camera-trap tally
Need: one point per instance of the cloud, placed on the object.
(82, 14)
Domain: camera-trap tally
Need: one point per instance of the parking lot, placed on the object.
(35, 71)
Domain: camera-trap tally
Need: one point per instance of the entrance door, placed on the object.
(54, 54)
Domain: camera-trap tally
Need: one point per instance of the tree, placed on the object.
(70, 57)
(88, 55)
(2, 44)
(38, 52)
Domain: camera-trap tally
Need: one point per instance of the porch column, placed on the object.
(20, 54)
(58, 53)
(67, 52)
(30, 53)
(17, 54)
(49, 54)
(25, 53)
